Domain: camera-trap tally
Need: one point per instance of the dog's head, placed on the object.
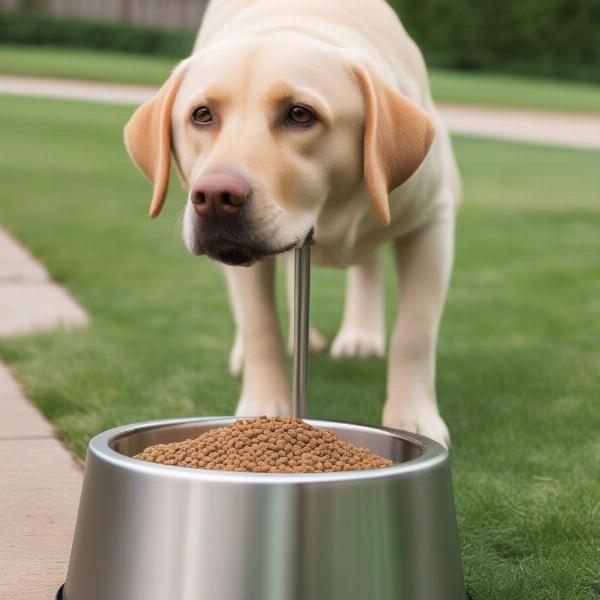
(265, 133)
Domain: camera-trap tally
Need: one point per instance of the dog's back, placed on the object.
(371, 27)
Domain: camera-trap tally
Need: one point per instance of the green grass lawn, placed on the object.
(78, 63)
(514, 91)
(518, 354)
(448, 86)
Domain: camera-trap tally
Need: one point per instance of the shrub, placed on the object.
(558, 38)
(39, 29)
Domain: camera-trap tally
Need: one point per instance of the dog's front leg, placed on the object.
(362, 333)
(265, 388)
(423, 264)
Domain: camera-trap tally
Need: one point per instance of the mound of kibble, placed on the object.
(266, 445)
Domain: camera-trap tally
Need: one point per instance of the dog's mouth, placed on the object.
(237, 254)
(242, 253)
(234, 255)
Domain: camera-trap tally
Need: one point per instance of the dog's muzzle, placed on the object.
(222, 227)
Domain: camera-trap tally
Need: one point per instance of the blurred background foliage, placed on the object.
(555, 38)
(49, 30)
(550, 38)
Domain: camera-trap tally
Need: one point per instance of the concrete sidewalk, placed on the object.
(539, 127)
(40, 480)
(29, 300)
(41, 483)
(528, 126)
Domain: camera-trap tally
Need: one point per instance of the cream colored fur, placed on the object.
(377, 168)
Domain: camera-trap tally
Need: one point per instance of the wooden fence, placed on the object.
(168, 14)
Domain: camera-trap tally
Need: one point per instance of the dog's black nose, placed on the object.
(219, 195)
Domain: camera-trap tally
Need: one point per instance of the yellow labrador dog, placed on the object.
(303, 119)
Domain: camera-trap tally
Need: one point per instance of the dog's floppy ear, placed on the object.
(397, 137)
(148, 138)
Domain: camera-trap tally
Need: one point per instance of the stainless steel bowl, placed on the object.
(149, 532)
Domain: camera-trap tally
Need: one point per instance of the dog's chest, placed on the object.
(347, 232)
(345, 242)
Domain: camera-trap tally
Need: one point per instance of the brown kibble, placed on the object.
(266, 445)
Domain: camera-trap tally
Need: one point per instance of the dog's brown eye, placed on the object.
(201, 115)
(301, 115)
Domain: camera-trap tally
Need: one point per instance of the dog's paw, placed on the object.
(255, 407)
(423, 420)
(358, 343)
(316, 342)
(236, 357)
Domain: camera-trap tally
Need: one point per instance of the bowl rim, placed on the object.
(100, 446)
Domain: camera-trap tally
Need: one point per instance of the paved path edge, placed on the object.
(41, 479)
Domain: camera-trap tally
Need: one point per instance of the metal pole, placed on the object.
(301, 306)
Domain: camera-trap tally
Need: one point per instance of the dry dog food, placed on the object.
(266, 445)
